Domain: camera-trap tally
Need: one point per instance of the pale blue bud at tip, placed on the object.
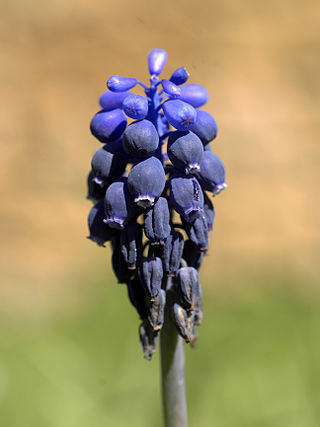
(112, 100)
(135, 106)
(170, 88)
(121, 84)
(108, 126)
(179, 114)
(196, 95)
(157, 60)
(179, 76)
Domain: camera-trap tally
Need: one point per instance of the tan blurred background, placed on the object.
(260, 62)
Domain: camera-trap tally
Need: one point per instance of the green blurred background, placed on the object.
(69, 352)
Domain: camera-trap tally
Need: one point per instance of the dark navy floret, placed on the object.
(140, 139)
(148, 339)
(131, 244)
(155, 308)
(151, 275)
(108, 163)
(108, 126)
(197, 231)
(212, 173)
(185, 151)
(205, 127)
(157, 222)
(146, 181)
(188, 284)
(120, 268)
(99, 232)
(172, 252)
(118, 205)
(186, 196)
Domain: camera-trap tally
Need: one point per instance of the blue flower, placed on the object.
(186, 196)
(185, 151)
(146, 181)
(140, 139)
(108, 126)
(159, 164)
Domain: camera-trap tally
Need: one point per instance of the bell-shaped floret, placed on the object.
(207, 147)
(148, 339)
(112, 100)
(185, 151)
(135, 106)
(108, 126)
(172, 252)
(137, 296)
(197, 231)
(183, 322)
(99, 231)
(121, 84)
(170, 88)
(209, 212)
(179, 114)
(155, 307)
(146, 181)
(120, 269)
(192, 254)
(179, 76)
(186, 197)
(188, 286)
(157, 60)
(140, 139)
(195, 95)
(131, 244)
(118, 205)
(151, 275)
(108, 163)
(157, 222)
(212, 173)
(205, 127)
(95, 191)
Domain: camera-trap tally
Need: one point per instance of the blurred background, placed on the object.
(69, 352)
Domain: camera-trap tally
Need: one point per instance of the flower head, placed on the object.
(141, 185)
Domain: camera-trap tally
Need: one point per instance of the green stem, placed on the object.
(172, 372)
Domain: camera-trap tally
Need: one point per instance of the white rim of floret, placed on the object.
(114, 222)
(192, 213)
(218, 188)
(98, 180)
(192, 168)
(144, 201)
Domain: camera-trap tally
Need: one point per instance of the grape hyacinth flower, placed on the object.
(151, 184)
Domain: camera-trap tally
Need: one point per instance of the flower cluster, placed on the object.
(149, 181)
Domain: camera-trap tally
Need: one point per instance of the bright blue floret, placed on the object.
(150, 180)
